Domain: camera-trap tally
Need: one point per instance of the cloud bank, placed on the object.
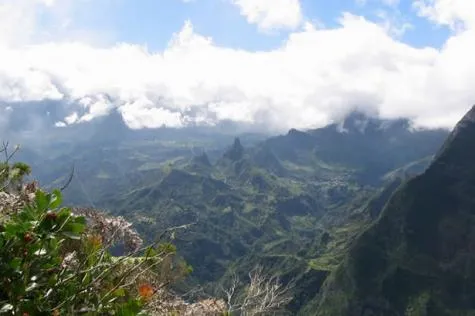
(316, 77)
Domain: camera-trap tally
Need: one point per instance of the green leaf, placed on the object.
(64, 212)
(42, 201)
(119, 292)
(13, 229)
(86, 278)
(63, 215)
(76, 228)
(15, 263)
(27, 214)
(133, 307)
(80, 220)
(56, 199)
(53, 243)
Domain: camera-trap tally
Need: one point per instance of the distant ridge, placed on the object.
(419, 257)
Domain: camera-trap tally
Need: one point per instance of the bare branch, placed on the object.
(230, 292)
(4, 149)
(263, 295)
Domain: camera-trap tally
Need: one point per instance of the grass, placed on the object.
(337, 247)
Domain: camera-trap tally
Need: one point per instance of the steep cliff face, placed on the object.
(419, 257)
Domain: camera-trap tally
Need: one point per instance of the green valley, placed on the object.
(292, 203)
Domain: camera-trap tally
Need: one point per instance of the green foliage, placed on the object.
(35, 275)
(11, 176)
(51, 264)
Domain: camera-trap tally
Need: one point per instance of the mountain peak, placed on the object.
(467, 120)
(293, 131)
(354, 122)
(360, 122)
(236, 151)
(237, 142)
(459, 148)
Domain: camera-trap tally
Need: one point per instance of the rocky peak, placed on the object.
(468, 119)
(236, 151)
(459, 148)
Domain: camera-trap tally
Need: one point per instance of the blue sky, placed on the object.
(153, 22)
(275, 64)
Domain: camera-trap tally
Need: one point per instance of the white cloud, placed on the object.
(315, 77)
(19, 18)
(271, 14)
(71, 119)
(142, 113)
(25, 22)
(47, 2)
(454, 13)
(394, 22)
(17, 21)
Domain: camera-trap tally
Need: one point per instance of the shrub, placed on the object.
(56, 261)
(50, 264)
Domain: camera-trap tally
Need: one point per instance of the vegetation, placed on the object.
(294, 204)
(57, 260)
(417, 259)
(11, 175)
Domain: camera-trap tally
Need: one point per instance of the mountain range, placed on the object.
(294, 203)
